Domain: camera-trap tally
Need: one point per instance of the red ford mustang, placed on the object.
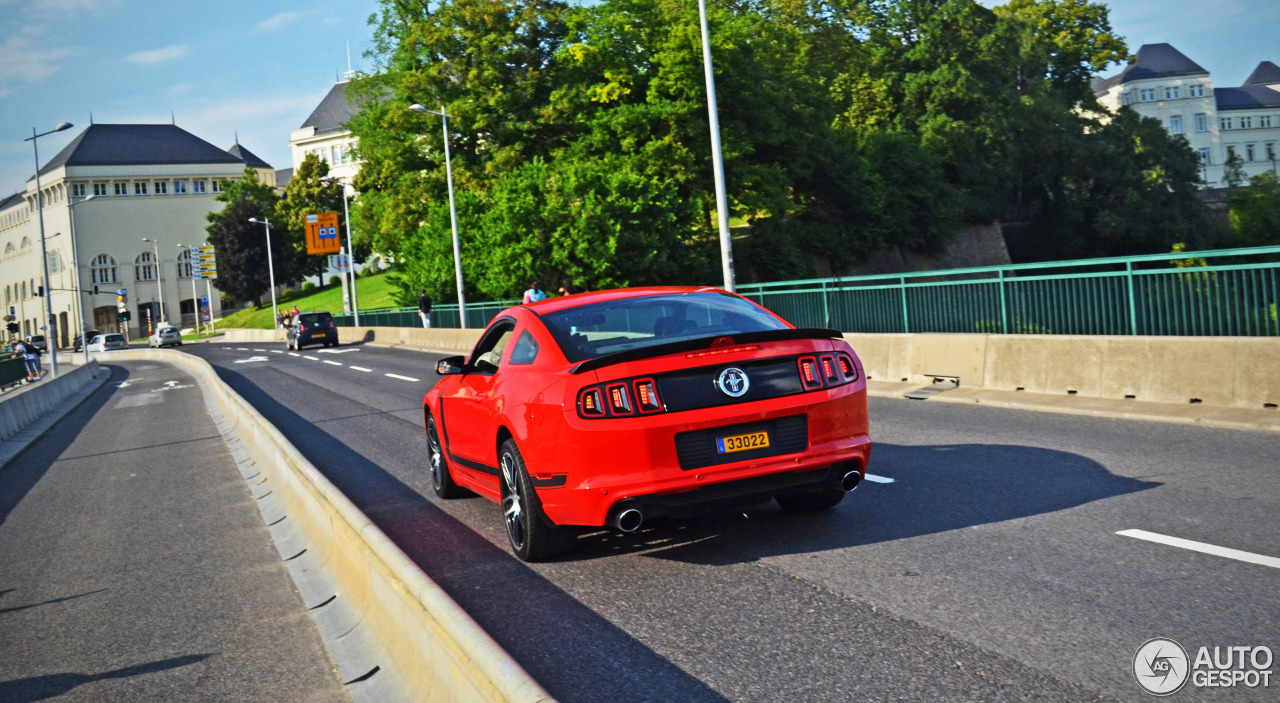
(610, 408)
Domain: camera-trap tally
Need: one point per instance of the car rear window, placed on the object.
(314, 318)
(114, 338)
(608, 327)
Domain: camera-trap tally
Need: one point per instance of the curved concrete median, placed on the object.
(427, 647)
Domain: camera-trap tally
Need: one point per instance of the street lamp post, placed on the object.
(51, 337)
(75, 262)
(195, 298)
(271, 271)
(159, 278)
(351, 252)
(717, 157)
(453, 213)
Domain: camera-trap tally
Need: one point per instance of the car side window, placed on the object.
(488, 353)
(526, 349)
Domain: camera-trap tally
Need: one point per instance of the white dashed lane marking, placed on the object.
(276, 351)
(1202, 547)
(332, 362)
(878, 479)
(361, 368)
(402, 378)
(241, 349)
(312, 358)
(261, 350)
(292, 354)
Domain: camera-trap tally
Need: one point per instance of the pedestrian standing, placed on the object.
(22, 350)
(424, 309)
(566, 288)
(534, 294)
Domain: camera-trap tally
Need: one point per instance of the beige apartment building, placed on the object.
(1164, 84)
(111, 189)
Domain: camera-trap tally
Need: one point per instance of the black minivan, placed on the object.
(312, 328)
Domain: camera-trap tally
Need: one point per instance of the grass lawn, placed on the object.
(373, 292)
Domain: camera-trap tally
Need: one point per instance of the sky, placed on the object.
(258, 69)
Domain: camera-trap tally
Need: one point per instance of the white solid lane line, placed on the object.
(402, 378)
(877, 479)
(313, 358)
(332, 362)
(338, 351)
(361, 368)
(1202, 547)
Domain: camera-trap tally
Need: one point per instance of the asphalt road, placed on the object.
(134, 564)
(989, 569)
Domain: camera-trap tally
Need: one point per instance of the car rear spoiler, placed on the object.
(702, 343)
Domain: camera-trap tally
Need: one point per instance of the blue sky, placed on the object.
(259, 68)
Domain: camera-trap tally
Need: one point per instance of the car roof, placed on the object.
(565, 302)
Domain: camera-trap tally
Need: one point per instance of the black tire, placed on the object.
(532, 536)
(441, 480)
(810, 501)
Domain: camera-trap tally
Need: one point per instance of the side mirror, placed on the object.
(451, 365)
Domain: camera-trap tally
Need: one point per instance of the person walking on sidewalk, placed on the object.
(24, 350)
(424, 309)
(534, 294)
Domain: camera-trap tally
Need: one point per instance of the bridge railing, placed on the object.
(1221, 292)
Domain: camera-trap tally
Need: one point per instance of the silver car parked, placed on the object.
(165, 336)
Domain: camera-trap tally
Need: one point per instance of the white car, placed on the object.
(165, 336)
(106, 342)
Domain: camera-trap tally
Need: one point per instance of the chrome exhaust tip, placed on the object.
(628, 520)
(850, 481)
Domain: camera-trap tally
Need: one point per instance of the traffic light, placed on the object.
(13, 328)
(123, 316)
(95, 289)
(39, 291)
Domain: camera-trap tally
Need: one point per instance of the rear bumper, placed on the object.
(599, 463)
(317, 338)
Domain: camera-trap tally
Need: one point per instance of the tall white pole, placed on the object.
(351, 257)
(159, 281)
(271, 271)
(51, 332)
(75, 255)
(453, 220)
(717, 158)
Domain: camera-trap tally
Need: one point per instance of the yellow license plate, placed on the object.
(743, 442)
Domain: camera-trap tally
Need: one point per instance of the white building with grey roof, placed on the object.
(111, 187)
(324, 134)
(1164, 84)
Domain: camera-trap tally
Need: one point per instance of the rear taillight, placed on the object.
(809, 373)
(829, 369)
(619, 399)
(332, 326)
(302, 327)
(591, 403)
(647, 396)
(826, 371)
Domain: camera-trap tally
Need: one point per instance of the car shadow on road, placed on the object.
(574, 652)
(39, 688)
(936, 488)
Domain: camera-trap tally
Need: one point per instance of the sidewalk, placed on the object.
(1217, 416)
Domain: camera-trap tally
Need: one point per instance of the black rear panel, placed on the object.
(692, 389)
(698, 449)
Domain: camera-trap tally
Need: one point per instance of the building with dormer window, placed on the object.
(1162, 83)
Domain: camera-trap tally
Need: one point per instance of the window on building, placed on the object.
(26, 243)
(122, 189)
(1175, 124)
(1204, 157)
(1147, 95)
(1264, 121)
(162, 188)
(99, 188)
(184, 264)
(1271, 152)
(1202, 122)
(179, 187)
(103, 269)
(1195, 91)
(1246, 123)
(8, 249)
(334, 154)
(1225, 123)
(1248, 152)
(24, 290)
(55, 263)
(144, 267)
(1231, 151)
(140, 188)
(345, 154)
(1172, 93)
(217, 186)
(77, 190)
(198, 187)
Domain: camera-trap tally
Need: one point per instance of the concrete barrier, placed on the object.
(431, 646)
(20, 408)
(1241, 372)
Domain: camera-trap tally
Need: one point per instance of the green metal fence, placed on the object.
(478, 316)
(1225, 292)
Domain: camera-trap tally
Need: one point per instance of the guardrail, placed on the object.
(478, 316)
(1225, 292)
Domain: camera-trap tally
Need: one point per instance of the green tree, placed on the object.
(241, 246)
(1233, 170)
(1255, 211)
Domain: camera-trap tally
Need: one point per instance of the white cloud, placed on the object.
(23, 62)
(147, 58)
(278, 22)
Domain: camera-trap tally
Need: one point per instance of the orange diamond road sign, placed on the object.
(322, 233)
